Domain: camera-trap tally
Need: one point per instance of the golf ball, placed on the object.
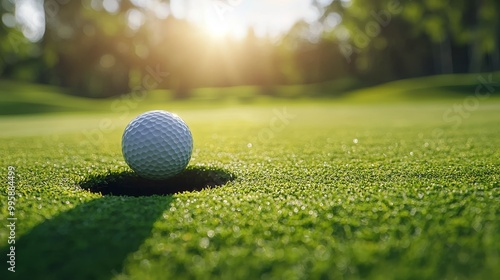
(157, 145)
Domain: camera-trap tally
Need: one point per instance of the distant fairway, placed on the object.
(396, 188)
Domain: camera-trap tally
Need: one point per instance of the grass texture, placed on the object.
(278, 190)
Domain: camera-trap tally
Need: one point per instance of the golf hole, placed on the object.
(130, 184)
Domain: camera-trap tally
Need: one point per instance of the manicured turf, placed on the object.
(297, 190)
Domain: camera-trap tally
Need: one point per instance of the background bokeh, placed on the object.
(106, 48)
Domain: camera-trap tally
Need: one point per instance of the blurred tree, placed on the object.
(401, 38)
(105, 48)
(90, 46)
(462, 23)
(18, 56)
(314, 58)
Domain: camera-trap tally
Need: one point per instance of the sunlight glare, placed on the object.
(221, 29)
(221, 18)
(29, 14)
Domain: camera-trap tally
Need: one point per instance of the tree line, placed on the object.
(99, 53)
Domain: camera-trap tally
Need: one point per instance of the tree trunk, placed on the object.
(446, 56)
(495, 56)
(474, 44)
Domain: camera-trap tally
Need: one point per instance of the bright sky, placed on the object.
(29, 14)
(233, 17)
(218, 17)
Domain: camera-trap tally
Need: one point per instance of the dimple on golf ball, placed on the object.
(157, 145)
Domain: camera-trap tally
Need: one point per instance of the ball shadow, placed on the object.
(130, 184)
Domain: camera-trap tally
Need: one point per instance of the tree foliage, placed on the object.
(452, 36)
(101, 51)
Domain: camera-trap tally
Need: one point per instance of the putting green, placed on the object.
(280, 190)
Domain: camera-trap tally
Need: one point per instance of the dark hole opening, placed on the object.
(130, 184)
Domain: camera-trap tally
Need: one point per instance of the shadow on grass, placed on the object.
(21, 108)
(130, 184)
(94, 239)
(90, 241)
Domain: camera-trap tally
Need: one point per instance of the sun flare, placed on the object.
(220, 29)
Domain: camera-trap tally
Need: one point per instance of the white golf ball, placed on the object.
(157, 145)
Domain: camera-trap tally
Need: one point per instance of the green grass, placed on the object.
(19, 99)
(430, 88)
(339, 190)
